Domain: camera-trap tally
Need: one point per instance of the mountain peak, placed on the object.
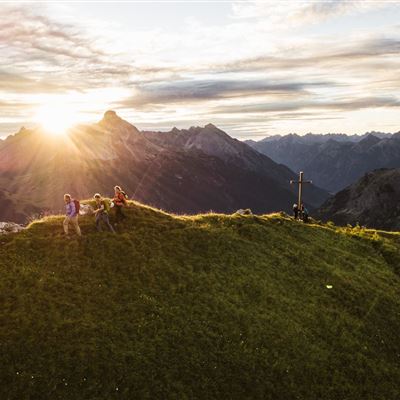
(371, 137)
(110, 115)
(114, 123)
(206, 129)
(396, 135)
(368, 141)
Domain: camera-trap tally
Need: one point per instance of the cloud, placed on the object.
(179, 91)
(45, 54)
(241, 70)
(49, 55)
(44, 35)
(349, 104)
(342, 77)
(19, 83)
(314, 55)
(288, 13)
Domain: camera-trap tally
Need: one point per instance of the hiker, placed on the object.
(102, 207)
(295, 211)
(304, 213)
(71, 214)
(119, 201)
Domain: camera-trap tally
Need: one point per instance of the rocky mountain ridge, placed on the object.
(373, 201)
(334, 161)
(182, 171)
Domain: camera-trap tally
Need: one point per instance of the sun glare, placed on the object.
(56, 119)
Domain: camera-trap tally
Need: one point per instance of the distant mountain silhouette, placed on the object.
(333, 161)
(183, 171)
(373, 201)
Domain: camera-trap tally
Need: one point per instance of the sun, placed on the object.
(56, 119)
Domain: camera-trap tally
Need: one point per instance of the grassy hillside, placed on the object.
(205, 307)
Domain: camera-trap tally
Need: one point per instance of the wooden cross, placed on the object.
(300, 182)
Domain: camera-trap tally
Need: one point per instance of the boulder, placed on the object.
(10, 227)
(242, 211)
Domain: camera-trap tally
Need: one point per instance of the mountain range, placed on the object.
(333, 161)
(182, 171)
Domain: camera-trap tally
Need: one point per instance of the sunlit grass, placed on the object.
(209, 306)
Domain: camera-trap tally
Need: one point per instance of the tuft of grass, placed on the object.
(200, 307)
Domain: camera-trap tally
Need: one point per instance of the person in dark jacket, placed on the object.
(295, 211)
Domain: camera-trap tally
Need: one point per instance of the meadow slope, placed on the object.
(205, 307)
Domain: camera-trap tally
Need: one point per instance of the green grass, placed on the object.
(204, 307)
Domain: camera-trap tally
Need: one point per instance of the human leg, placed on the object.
(98, 222)
(65, 225)
(75, 224)
(106, 220)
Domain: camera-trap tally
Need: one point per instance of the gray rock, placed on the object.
(10, 227)
(242, 211)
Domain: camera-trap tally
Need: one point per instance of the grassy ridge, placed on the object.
(211, 307)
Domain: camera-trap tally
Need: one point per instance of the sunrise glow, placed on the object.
(56, 119)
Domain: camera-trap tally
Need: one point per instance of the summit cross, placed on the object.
(300, 182)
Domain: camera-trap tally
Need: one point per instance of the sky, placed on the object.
(253, 68)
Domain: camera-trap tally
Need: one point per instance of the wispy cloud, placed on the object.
(337, 105)
(53, 54)
(300, 12)
(180, 91)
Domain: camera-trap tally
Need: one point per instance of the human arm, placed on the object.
(99, 208)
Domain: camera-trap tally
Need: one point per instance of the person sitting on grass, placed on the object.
(119, 201)
(304, 213)
(71, 214)
(101, 210)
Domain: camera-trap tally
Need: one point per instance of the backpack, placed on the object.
(77, 206)
(124, 197)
